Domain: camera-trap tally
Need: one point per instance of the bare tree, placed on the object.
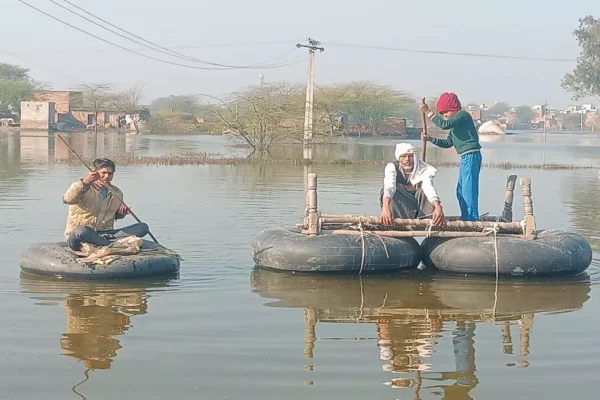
(97, 97)
(128, 101)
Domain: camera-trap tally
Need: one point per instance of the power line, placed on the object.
(450, 52)
(170, 47)
(158, 48)
(161, 47)
(121, 47)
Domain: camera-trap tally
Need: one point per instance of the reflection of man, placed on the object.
(408, 190)
(92, 323)
(401, 343)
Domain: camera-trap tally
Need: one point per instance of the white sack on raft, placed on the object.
(491, 128)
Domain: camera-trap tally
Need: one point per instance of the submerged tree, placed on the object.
(370, 104)
(366, 103)
(585, 78)
(261, 116)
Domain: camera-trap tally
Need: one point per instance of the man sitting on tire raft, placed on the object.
(408, 190)
(93, 209)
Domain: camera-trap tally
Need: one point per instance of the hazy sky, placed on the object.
(528, 28)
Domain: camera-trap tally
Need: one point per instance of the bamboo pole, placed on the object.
(403, 228)
(402, 234)
(482, 218)
(419, 223)
(344, 225)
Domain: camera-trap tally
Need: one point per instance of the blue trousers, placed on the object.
(467, 190)
(85, 234)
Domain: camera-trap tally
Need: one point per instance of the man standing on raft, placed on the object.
(408, 190)
(93, 209)
(463, 136)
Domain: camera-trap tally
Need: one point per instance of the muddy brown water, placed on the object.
(225, 330)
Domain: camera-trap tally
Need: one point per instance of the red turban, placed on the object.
(448, 102)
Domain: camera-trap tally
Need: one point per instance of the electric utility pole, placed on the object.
(308, 111)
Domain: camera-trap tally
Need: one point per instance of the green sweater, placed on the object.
(463, 134)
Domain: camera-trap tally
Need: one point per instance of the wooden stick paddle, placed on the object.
(108, 186)
(424, 121)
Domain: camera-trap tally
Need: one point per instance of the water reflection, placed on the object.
(96, 313)
(414, 317)
(583, 206)
(523, 148)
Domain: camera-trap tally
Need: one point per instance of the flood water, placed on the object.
(225, 330)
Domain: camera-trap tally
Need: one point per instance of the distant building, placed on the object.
(64, 101)
(87, 117)
(476, 113)
(71, 110)
(538, 115)
(37, 115)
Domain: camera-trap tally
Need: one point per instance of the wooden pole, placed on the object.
(311, 317)
(403, 234)
(398, 228)
(424, 122)
(482, 218)
(308, 112)
(506, 337)
(530, 228)
(525, 334)
(108, 186)
(313, 216)
(312, 46)
(507, 213)
(420, 223)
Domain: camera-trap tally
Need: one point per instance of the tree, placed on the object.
(185, 103)
(524, 114)
(585, 78)
(97, 97)
(13, 72)
(571, 122)
(261, 116)
(328, 109)
(497, 110)
(368, 104)
(15, 86)
(128, 102)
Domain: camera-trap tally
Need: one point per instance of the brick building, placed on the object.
(64, 101)
(70, 108)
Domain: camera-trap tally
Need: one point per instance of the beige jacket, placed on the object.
(87, 209)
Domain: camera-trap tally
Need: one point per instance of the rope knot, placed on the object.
(429, 228)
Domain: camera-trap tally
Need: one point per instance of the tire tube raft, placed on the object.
(553, 253)
(290, 250)
(56, 259)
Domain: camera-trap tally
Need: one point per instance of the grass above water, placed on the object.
(207, 159)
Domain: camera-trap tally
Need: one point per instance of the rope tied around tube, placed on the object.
(429, 229)
(488, 231)
(363, 249)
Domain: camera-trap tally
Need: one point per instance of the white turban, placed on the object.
(405, 148)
